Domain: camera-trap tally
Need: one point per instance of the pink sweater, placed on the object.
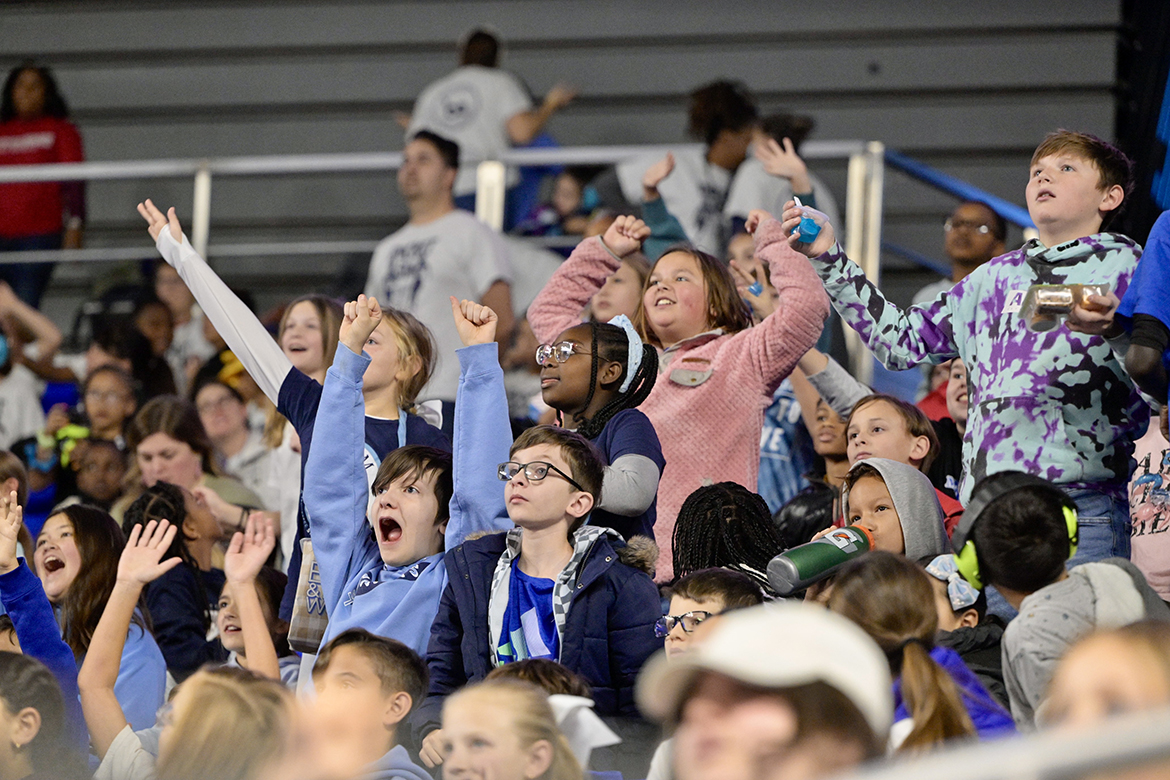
(708, 403)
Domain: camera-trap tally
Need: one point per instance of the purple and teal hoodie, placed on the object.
(1057, 404)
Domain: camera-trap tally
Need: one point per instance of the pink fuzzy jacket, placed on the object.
(708, 403)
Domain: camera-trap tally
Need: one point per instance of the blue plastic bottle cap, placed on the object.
(808, 229)
(755, 288)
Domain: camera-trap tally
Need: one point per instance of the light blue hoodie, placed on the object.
(399, 602)
(395, 765)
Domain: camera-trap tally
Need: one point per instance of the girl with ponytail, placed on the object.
(595, 374)
(936, 697)
(505, 729)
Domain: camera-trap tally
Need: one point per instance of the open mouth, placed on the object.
(663, 302)
(230, 629)
(1045, 195)
(53, 563)
(389, 530)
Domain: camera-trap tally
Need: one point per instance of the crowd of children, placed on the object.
(296, 569)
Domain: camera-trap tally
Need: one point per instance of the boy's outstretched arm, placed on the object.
(483, 431)
(899, 339)
(248, 340)
(141, 563)
(336, 491)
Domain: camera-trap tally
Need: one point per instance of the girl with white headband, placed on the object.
(595, 374)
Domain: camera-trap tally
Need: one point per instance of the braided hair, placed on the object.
(610, 342)
(164, 501)
(725, 525)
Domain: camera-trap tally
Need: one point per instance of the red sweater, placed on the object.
(708, 403)
(36, 208)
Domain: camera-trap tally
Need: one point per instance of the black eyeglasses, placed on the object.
(547, 353)
(534, 471)
(689, 622)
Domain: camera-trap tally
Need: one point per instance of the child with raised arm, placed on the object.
(389, 581)
(401, 359)
(711, 359)
(1057, 404)
(32, 616)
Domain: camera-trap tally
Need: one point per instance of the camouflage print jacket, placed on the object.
(1057, 404)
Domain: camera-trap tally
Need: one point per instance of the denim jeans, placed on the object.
(28, 280)
(1102, 524)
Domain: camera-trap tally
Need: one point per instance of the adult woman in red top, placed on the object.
(37, 215)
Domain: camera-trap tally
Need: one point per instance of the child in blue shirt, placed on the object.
(389, 582)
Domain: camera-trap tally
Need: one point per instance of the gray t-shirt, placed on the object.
(417, 268)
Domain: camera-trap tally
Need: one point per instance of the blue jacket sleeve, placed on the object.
(444, 663)
(336, 492)
(483, 435)
(177, 614)
(40, 637)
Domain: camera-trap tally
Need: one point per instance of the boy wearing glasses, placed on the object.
(696, 602)
(552, 587)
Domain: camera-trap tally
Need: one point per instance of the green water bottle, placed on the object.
(794, 570)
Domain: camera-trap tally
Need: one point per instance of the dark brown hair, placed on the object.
(99, 546)
(735, 589)
(719, 106)
(11, 467)
(725, 307)
(892, 600)
(176, 417)
(1114, 168)
(26, 682)
(397, 666)
(917, 423)
(54, 102)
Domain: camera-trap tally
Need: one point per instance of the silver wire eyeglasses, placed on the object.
(547, 353)
(534, 471)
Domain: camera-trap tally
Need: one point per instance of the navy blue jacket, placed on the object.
(609, 628)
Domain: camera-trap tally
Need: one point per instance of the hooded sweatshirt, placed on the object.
(1107, 594)
(1056, 404)
(395, 765)
(917, 506)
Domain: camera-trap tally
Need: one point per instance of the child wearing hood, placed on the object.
(897, 504)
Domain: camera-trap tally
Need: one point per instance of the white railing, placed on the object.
(863, 197)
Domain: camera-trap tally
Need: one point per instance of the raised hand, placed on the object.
(559, 96)
(249, 549)
(747, 281)
(654, 176)
(141, 560)
(475, 322)
(791, 220)
(361, 318)
(784, 162)
(754, 219)
(11, 517)
(156, 220)
(625, 235)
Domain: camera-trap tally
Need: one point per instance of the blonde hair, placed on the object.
(256, 712)
(330, 314)
(414, 340)
(532, 720)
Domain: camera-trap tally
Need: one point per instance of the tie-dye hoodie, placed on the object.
(1055, 404)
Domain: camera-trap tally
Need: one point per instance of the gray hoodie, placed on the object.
(917, 506)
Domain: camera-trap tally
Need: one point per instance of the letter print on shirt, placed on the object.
(404, 272)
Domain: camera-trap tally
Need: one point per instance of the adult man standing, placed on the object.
(484, 109)
(440, 252)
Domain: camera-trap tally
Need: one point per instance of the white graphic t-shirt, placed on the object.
(417, 268)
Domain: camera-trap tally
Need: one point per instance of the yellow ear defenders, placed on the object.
(963, 541)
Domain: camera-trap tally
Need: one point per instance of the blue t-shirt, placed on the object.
(300, 396)
(629, 432)
(529, 630)
(786, 453)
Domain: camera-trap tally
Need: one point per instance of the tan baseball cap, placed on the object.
(778, 646)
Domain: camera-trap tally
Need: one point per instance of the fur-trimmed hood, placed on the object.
(640, 552)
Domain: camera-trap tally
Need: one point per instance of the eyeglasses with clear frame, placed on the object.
(689, 621)
(560, 352)
(534, 471)
(956, 224)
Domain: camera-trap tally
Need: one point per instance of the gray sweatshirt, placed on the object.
(917, 506)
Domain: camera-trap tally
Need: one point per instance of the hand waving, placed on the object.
(11, 517)
(249, 549)
(783, 162)
(361, 318)
(475, 322)
(625, 235)
(156, 221)
(140, 561)
(654, 176)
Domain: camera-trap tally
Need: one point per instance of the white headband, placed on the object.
(635, 357)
